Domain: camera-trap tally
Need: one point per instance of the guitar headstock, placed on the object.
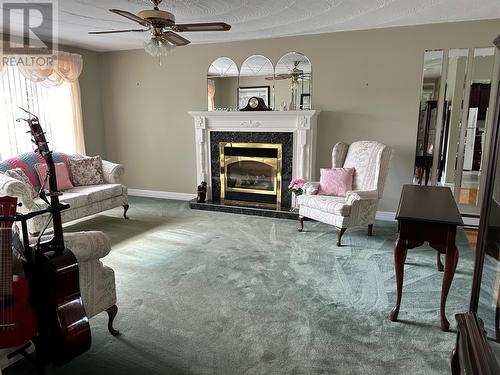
(37, 133)
(8, 207)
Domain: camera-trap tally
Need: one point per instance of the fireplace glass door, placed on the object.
(251, 172)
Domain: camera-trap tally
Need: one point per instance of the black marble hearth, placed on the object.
(245, 209)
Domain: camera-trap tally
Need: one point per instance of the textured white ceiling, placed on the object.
(256, 19)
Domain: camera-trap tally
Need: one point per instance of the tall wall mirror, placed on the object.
(256, 79)
(453, 121)
(293, 82)
(222, 84)
(427, 117)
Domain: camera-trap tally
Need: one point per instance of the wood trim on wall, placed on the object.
(381, 215)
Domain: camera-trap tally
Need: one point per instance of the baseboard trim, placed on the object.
(381, 215)
(161, 194)
(386, 216)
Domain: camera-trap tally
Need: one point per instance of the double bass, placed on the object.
(63, 326)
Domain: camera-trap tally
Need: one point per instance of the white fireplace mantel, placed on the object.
(303, 125)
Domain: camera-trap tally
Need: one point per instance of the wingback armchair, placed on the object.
(370, 161)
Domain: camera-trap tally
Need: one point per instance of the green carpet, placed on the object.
(212, 293)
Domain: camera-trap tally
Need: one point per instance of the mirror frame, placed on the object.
(238, 83)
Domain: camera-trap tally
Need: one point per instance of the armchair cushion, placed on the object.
(335, 181)
(326, 203)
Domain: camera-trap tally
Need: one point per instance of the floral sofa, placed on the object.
(83, 200)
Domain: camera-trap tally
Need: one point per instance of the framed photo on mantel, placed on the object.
(305, 101)
(245, 93)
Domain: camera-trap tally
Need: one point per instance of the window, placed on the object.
(52, 105)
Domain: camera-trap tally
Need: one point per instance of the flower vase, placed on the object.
(296, 194)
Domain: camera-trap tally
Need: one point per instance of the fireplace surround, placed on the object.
(283, 141)
(295, 131)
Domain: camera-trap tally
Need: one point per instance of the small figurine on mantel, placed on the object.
(202, 192)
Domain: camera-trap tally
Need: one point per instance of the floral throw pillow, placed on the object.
(86, 171)
(20, 175)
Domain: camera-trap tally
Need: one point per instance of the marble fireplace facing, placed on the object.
(251, 157)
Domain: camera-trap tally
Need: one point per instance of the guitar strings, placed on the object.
(6, 245)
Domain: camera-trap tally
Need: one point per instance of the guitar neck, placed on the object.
(58, 240)
(5, 264)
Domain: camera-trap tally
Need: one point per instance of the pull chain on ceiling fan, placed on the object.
(163, 29)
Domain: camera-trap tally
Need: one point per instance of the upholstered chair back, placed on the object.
(370, 159)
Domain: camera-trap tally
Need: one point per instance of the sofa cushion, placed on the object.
(62, 175)
(86, 171)
(326, 203)
(97, 193)
(74, 199)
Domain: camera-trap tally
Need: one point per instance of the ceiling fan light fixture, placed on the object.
(158, 47)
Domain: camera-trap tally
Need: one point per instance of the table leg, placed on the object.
(449, 271)
(400, 251)
(439, 264)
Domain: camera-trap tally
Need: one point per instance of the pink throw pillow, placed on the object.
(62, 175)
(335, 181)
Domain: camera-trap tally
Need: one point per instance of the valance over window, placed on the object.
(66, 67)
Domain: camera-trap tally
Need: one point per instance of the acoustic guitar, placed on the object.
(64, 328)
(17, 319)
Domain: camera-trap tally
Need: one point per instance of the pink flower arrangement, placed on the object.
(296, 186)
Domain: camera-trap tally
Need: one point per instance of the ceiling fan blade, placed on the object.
(175, 38)
(131, 16)
(117, 31)
(283, 76)
(209, 26)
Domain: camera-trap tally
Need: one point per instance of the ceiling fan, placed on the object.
(294, 73)
(161, 24)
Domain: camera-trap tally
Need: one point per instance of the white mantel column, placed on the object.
(202, 148)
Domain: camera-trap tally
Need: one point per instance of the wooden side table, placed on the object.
(427, 214)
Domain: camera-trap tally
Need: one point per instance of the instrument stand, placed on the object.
(36, 361)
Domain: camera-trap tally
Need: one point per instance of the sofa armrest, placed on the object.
(112, 172)
(311, 188)
(14, 188)
(359, 195)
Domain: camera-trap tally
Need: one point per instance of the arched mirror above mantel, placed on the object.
(293, 82)
(256, 79)
(222, 84)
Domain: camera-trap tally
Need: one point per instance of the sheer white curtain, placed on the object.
(211, 94)
(53, 95)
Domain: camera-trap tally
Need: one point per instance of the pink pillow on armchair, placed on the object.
(62, 176)
(335, 181)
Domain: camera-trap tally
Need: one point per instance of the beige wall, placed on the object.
(367, 84)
